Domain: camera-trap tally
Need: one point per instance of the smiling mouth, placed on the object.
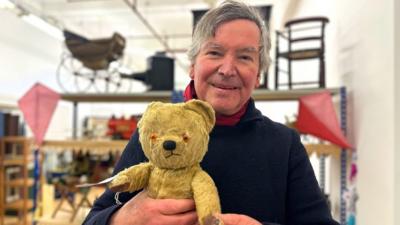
(172, 154)
(224, 87)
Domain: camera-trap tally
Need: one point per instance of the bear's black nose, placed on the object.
(169, 145)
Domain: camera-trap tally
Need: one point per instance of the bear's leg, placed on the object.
(206, 198)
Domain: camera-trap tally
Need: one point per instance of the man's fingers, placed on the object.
(188, 218)
(167, 206)
(175, 206)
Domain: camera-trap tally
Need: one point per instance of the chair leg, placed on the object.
(75, 211)
(83, 200)
(64, 196)
(289, 74)
(58, 207)
(322, 72)
(277, 61)
(266, 76)
(276, 73)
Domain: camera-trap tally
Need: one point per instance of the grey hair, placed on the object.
(229, 10)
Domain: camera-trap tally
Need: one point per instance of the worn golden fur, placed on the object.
(174, 173)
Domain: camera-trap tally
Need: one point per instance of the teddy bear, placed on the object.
(174, 138)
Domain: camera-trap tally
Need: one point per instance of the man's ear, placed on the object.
(204, 109)
(191, 71)
(257, 84)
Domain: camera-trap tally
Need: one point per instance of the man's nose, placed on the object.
(227, 67)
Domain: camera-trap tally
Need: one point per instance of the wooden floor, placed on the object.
(64, 218)
(64, 215)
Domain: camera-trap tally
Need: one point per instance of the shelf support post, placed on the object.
(343, 156)
(75, 121)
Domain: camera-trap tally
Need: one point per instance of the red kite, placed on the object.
(38, 106)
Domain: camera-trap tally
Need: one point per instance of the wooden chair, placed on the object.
(68, 191)
(305, 40)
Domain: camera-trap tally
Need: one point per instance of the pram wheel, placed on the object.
(72, 76)
(110, 81)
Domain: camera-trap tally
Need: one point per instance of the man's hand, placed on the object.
(142, 210)
(237, 219)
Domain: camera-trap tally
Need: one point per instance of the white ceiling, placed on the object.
(170, 19)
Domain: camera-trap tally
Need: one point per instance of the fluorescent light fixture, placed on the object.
(6, 4)
(43, 26)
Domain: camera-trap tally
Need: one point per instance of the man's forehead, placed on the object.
(215, 45)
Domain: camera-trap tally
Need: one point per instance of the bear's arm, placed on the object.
(205, 195)
(132, 179)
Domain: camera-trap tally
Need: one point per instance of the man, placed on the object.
(260, 168)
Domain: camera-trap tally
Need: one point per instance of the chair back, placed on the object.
(304, 39)
(306, 34)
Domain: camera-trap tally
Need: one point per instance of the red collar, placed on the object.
(232, 120)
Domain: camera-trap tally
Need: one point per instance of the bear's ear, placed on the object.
(154, 105)
(204, 109)
(150, 107)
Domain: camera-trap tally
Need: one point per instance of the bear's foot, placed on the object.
(212, 220)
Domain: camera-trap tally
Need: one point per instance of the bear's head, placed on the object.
(175, 136)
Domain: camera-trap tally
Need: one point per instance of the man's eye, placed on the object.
(213, 53)
(246, 58)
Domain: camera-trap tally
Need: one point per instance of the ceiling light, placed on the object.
(6, 4)
(43, 26)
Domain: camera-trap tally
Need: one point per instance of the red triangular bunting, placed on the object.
(317, 117)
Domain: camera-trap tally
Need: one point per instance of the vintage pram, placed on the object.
(91, 64)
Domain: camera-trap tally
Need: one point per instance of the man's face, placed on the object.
(226, 69)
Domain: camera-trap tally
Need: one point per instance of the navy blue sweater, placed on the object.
(259, 167)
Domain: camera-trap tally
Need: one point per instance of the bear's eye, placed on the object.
(185, 137)
(153, 136)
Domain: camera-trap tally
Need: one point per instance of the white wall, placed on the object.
(28, 56)
(362, 49)
(365, 37)
(397, 113)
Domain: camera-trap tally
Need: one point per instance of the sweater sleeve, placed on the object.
(104, 207)
(305, 202)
